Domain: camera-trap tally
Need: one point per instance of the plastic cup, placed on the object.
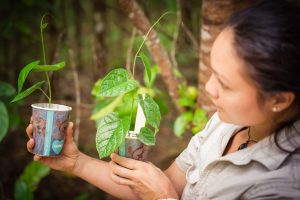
(133, 148)
(50, 122)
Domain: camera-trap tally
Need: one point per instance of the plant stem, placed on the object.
(44, 57)
(139, 49)
(45, 94)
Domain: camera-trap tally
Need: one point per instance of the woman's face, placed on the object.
(233, 93)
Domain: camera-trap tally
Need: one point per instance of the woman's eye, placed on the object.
(223, 85)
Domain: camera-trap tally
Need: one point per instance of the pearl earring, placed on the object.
(275, 109)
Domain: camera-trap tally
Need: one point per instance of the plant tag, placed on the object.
(140, 120)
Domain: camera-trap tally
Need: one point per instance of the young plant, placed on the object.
(120, 94)
(36, 67)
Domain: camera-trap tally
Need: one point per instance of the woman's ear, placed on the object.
(281, 101)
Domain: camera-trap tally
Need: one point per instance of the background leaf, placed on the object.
(147, 65)
(117, 82)
(29, 179)
(146, 136)
(46, 68)
(109, 134)
(180, 126)
(154, 73)
(107, 109)
(24, 73)
(4, 120)
(28, 91)
(6, 90)
(199, 120)
(22, 191)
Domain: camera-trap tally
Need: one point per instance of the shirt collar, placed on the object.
(266, 152)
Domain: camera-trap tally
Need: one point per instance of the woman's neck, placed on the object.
(258, 133)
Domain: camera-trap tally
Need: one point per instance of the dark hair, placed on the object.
(267, 37)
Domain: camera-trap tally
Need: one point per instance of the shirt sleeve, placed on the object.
(186, 159)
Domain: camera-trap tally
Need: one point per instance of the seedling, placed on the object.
(36, 67)
(112, 124)
(49, 120)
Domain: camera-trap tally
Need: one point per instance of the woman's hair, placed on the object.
(267, 37)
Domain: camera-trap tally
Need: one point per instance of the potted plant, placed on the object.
(114, 130)
(49, 120)
(127, 133)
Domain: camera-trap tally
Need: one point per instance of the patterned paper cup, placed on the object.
(50, 123)
(133, 148)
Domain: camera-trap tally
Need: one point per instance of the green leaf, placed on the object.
(6, 90)
(4, 120)
(184, 101)
(96, 87)
(162, 103)
(146, 136)
(126, 124)
(47, 68)
(154, 72)
(117, 82)
(128, 105)
(151, 110)
(187, 116)
(199, 120)
(147, 65)
(27, 92)
(22, 191)
(109, 134)
(34, 173)
(29, 179)
(180, 126)
(107, 109)
(24, 73)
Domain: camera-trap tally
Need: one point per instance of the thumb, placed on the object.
(69, 134)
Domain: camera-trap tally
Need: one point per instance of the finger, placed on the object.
(125, 162)
(29, 130)
(122, 171)
(69, 135)
(37, 158)
(30, 144)
(121, 180)
(31, 120)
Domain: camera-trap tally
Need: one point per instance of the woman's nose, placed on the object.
(211, 88)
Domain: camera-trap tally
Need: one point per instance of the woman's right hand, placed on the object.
(69, 155)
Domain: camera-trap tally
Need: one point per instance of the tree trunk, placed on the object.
(159, 54)
(98, 48)
(214, 15)
(78, 14)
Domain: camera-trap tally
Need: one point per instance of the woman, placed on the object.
(250, 149)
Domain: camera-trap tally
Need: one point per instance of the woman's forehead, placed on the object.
(225, 60)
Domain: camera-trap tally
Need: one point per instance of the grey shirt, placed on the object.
(261, 171)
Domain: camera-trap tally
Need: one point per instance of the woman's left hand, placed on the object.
(146, 180)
